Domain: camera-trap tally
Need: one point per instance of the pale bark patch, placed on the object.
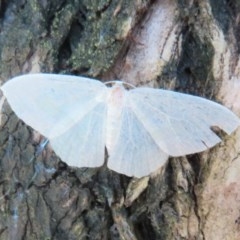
(153, 44)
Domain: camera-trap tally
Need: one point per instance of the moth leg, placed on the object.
(39, 150)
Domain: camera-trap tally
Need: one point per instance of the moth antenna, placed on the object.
(121, 82)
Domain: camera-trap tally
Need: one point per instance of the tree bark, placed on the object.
(186, 46)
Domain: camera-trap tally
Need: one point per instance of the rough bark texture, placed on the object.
(188, 46)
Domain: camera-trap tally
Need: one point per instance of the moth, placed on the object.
(140, 127)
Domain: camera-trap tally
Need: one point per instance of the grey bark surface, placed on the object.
(187, 46)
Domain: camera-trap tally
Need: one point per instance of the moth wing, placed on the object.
(180, 124)
(62, 107)
(135, 153)
(83, 145)
(51, 103)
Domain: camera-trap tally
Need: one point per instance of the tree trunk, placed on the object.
(186, 46)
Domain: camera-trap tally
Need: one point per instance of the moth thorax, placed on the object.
(116, 101)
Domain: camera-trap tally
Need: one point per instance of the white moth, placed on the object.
(140, 127)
